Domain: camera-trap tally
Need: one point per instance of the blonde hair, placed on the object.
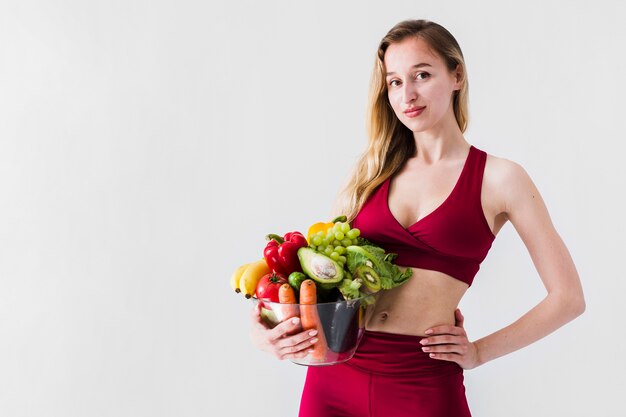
(391, 143)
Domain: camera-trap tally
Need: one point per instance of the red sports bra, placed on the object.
(454, 238)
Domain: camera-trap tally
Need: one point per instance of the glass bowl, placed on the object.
(342, 323)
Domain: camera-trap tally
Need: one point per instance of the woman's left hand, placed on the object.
(450, 343)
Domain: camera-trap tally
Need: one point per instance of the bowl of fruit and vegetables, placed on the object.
(327, 279)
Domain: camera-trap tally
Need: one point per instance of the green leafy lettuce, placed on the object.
(375, 257)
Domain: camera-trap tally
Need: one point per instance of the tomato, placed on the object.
(267, 288)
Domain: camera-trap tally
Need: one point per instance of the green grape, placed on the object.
(342, 259)
(312, 246)
(317, 240)
(330, 232)
(321, 248)
(355, 241)
(326, 241)
(340, 250)
(339, 235)
(334, 256)
(346, 242)
(320, 234)
(337, 227)
(345, 227)
(328, 250)
(352, 234)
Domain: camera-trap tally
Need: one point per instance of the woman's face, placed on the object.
(419, 84)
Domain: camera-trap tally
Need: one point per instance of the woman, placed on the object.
(423, 192)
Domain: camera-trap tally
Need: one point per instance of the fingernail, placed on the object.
(309, 351)
(425, 348)
(432, 355)
(424, 341)
(295, 320)
(429, 331)
(312, 332)
(313, 340)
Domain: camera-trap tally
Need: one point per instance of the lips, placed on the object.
(414, 111)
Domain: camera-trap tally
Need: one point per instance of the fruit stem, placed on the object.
(275, 237)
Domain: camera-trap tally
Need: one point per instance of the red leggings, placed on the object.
(389, 376)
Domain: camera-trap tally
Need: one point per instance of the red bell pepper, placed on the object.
(281, 253)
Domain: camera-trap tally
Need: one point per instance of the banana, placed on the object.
(251, 276)
(236, 276)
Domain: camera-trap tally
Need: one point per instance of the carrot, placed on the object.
(310, 318)
(287, 296)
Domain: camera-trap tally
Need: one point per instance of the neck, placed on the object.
(444, 141)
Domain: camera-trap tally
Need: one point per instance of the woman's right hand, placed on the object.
(282, 341)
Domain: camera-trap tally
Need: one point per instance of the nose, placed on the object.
(409, 92)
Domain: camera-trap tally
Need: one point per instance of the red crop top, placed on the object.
(454, 238)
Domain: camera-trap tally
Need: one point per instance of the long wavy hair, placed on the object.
(391, 143)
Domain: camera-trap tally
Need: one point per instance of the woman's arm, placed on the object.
(564, 301)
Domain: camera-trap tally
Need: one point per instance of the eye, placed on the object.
(424, 74)
(391, 83)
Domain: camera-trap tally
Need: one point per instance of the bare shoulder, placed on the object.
(508, 183)
(506, 187)
(503, 171)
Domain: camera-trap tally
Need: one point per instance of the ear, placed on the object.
(459, 76)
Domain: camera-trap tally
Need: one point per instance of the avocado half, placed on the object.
(320, 267)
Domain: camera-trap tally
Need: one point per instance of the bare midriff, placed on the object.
(427, 299)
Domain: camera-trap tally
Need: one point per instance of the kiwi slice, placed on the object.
(369, 276)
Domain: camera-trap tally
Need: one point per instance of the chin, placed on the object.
(417, 127)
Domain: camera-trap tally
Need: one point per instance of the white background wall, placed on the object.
(146, 147)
